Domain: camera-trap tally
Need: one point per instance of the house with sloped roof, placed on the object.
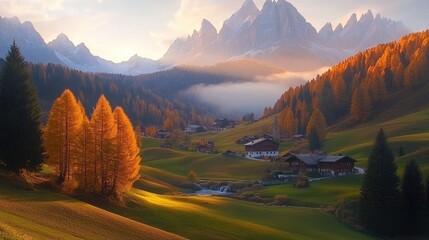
(261, 148)
(319, 163)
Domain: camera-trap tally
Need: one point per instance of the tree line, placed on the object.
(358, 85)
(388, 206)
(149, 99)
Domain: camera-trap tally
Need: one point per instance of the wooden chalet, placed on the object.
(317, 163)
(206, 147)
(261, 148)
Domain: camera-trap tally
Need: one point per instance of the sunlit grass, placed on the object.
(224, 218)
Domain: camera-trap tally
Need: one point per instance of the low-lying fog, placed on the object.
(237, 99)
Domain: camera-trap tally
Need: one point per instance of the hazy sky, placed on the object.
(116, 30)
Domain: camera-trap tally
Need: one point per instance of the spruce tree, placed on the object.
(413, 197)
(20, 134)
(314, 140)
(379, 200)
(427, 196)
(401, 151)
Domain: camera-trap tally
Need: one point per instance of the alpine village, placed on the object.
(265, 122)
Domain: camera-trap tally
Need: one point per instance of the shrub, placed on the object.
(281, 199)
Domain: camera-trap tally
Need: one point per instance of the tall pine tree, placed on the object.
(427, 196)
(413, 197)
(314, 140)
(20, 134)
(379, 200)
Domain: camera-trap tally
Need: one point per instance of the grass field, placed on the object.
(207, 166)
(409, 131)
(224, 218)
(157, 199)
(26, 214)
(323, 192)
(225, 140)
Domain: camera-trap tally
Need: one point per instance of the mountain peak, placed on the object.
(82, 46)
(247, 12)
(367, 17)
(339, 28)
(135, 58)
(352, 20)
(207, 29)
(62, 44)
(14, 20)
(248, 2)
(268, 4)
(206, 25)
(62, 36)
(326, 30)
(249, 7)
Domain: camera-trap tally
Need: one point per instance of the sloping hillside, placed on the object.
(26, 214)
(390, 79)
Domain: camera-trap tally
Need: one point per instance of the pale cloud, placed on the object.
(240, 98)
(37, 9)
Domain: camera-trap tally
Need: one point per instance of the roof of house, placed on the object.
(254, 142)
(313, 159)
(309, 159)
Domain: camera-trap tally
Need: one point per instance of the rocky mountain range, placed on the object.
(277, 35)
(63, 51)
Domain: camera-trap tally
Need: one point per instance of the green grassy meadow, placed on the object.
(158, 199)
(324, 192)
(410, 131)
(224, 218)
(37, 214)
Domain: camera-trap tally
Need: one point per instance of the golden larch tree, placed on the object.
(61, 135)
(290, 123)
(360, 108)
(138, 135)
(127, 159)
(85, 153)
(104, 133)
(318, 122)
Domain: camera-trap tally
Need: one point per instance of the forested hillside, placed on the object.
(369, 83)
(147, 99)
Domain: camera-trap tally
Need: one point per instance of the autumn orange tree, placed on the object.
(138, 135)
(126, 164)
(101, 155)
(360, 108)
(104, 130)
(85, 155)
(318, 122)
(61, 135)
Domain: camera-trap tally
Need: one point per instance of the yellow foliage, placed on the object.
(318, 122)
(61, 135)
(104, 130)
(127, 160)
